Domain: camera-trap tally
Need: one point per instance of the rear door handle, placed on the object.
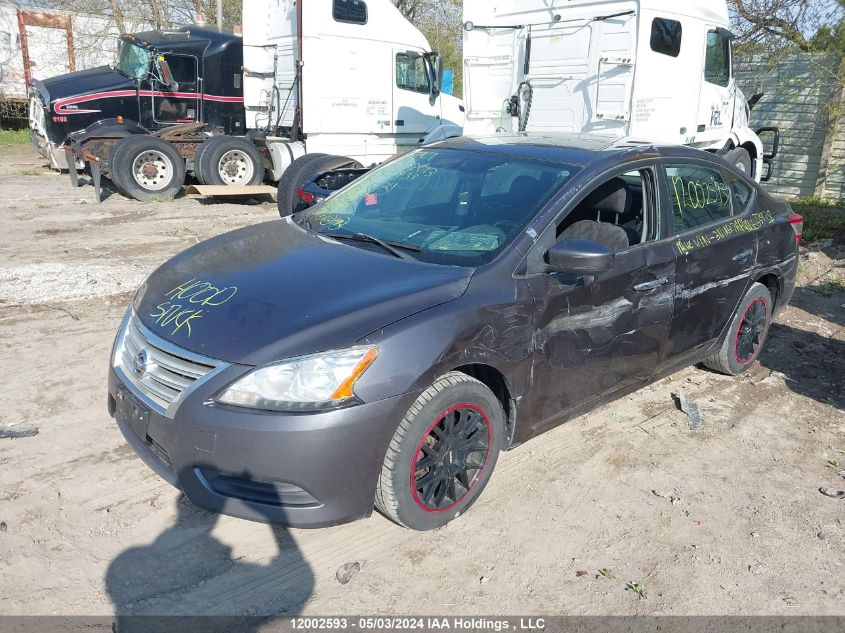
(743, 256)
(652, 285)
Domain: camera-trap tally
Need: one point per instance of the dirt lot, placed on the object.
(725, 520)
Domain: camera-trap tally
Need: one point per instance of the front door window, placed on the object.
(603, 334)
(179, 103)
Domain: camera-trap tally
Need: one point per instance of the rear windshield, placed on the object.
(446, 206)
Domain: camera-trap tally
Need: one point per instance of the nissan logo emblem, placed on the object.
(140, 362)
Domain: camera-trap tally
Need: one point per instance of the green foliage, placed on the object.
(817, 201)
(637, 589)
(831, 286)
(824, 219)
(8, 138)
(440, 22)
(447, 44)
(824, 225)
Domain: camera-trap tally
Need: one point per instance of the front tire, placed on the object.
(442, 455)
(747, 334)
(146, 168)
(302, 171)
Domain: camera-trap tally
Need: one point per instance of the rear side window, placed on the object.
(742, 193)
(700, 196)
(351, 11)
(717, 63)
(666, 37)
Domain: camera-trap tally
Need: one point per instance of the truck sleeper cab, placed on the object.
(639, 71)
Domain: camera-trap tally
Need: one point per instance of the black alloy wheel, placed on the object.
(451, 457)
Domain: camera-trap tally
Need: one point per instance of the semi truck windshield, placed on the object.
(132, 60)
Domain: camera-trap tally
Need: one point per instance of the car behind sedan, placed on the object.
(381, 348)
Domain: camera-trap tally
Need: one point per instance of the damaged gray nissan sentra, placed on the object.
(381, 348)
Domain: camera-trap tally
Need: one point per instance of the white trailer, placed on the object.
(651, 71)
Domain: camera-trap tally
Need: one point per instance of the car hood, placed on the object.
(83, 82)
(274, 291)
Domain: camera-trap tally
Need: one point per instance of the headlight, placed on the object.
(307, 383)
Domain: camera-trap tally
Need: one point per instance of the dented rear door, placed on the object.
(716, 247)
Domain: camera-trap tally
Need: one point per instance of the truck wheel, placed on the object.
(146, 168)
(288, 183)
(741, 159)
(443, 453)
(228, 160)
(747, 334)
(297, 175)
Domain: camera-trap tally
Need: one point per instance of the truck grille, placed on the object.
(159, 370)
(37, 116)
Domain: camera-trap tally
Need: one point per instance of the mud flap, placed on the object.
(93, 164)
(71, 169)
(96, 176)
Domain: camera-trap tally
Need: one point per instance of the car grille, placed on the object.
(168, 371)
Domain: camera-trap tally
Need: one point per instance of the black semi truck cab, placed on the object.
(160, 79)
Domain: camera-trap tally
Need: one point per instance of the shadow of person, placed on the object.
(188, 580)
(812, 365)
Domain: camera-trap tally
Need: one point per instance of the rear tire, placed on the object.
(302, 171)
(741, 159)
(746, 335)
(442, 455)
(229, 161)
(146, 168)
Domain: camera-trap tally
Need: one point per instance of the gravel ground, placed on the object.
(726, 520)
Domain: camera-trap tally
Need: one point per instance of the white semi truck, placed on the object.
(642, 71)
(312, 86)
(341, 79)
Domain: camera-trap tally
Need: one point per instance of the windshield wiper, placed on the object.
(391, 247)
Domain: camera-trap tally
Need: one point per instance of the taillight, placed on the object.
(797, 222)
(308, 197)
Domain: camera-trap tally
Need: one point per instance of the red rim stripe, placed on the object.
(480, 471)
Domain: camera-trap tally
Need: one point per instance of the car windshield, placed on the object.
(132, 60)
(440, 205)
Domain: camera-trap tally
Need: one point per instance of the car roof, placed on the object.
(570, 149)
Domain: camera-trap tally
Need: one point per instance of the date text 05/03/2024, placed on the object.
(455, 623)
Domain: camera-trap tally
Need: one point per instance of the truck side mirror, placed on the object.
(437, 71)
(166, 75)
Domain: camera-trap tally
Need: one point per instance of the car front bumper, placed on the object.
(299, 470)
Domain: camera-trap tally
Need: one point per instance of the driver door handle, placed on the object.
(652, 285)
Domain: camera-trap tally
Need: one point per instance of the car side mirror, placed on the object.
(579, 257)
(166, 75)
